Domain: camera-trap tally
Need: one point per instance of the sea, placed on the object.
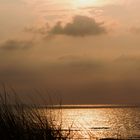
(98, 121)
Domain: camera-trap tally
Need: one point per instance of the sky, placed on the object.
(78, 51)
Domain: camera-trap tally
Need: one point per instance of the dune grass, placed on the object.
(20, 122)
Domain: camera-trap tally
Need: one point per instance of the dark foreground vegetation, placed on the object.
(23, 122)
(120, 139)
(20, 122)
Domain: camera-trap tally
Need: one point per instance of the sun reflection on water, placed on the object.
(100, 123)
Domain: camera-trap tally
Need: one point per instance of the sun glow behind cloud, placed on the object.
(84, 3)
(90, 3)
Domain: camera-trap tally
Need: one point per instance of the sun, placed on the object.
(83, 1)
(86, 2)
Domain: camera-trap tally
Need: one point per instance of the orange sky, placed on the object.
(85, 51)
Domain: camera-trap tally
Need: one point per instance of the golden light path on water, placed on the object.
(94, 123)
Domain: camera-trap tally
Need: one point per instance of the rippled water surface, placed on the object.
(106, 122)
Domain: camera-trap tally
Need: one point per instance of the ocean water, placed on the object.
(99, 121)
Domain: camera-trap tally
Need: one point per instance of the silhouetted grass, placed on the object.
(20, 122)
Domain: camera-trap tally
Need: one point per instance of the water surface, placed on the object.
(100, 122)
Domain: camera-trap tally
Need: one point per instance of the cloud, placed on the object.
(80, 26)
(135, 30)
(77, 62)
(12, 45)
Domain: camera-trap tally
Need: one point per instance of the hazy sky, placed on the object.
(83, 51)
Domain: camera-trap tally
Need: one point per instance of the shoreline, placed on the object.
(88, 106)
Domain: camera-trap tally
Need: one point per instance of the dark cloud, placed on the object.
(15, 45)
(72, 62)
(41, 30)
(80, 26)
(127, 59)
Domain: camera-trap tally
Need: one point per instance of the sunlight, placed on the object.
(86, 2)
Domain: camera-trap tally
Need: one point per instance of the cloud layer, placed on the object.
(80, 26)
(15, 45)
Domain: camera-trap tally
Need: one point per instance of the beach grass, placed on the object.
(22, 122)
(26, 122)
